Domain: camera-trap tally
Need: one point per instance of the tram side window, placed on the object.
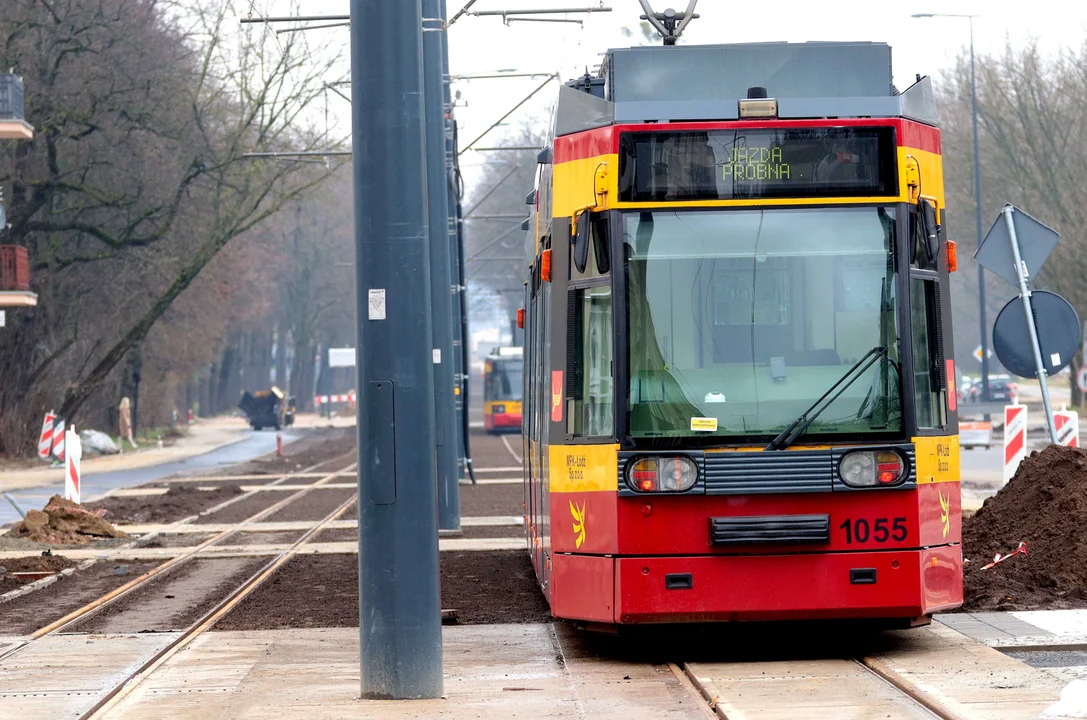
(590, 390)
(926, 354)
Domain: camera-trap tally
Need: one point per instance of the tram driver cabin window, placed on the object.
(590, 391)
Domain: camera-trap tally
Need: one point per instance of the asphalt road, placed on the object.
(254, 445)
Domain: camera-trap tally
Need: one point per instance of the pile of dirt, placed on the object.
(11, 568)
(180, 501)
(63, 522)
(1045, 506)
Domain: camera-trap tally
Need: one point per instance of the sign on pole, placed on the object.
(341, 357)
(1081, 379)
(1017, 245)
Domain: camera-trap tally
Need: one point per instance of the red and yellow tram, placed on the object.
(739, 392)
(502, 388)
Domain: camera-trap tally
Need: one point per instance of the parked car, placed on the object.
(1001, 389)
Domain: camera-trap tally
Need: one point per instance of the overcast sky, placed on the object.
(485, 44)
(926, 46)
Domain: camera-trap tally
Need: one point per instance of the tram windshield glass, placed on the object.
(741, 319)
(503, 380)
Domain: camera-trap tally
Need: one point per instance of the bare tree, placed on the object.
(138, 178)
(1033, 117)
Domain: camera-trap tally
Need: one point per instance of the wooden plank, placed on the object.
(474, 521)
(152, 491)
(318, 548)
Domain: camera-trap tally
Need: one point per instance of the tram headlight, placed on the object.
(863, 468)
(676, 473)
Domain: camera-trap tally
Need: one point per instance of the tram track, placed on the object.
(98, 605)
(132, 681)
(171, 528)
(908, 699)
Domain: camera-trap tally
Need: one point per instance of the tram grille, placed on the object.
(770, 529)
(749, 473)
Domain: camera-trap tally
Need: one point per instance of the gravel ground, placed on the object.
(26, 614)
(323, 591)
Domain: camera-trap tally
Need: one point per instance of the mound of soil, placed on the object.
(180, 501)
(63, 522)
(1044, 505)
(9, 569)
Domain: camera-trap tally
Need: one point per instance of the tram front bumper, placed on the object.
(886, 584)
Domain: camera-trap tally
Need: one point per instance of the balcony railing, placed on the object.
(14, 269)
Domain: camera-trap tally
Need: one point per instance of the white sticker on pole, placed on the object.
(1015, 438)
(1054, 359)
(72, 455)
(437, 355)
(376, 304)
(1067, 422)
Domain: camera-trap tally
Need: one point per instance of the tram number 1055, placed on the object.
(881, 530)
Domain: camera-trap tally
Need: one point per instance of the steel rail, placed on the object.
(171, 527)
(95, 606)
(938, 707)
(915, 692)
(126, 686)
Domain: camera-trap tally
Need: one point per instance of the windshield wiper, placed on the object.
(799, 426)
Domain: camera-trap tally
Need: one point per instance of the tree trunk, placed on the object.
(281, 356)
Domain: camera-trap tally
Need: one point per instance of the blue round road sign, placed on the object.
(1058, 334)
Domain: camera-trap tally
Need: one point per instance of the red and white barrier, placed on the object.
(975, 434)
(326, 399)
(58, 440)
(1067, 422)
(1015, 438)
(72, 473)
(45, 442)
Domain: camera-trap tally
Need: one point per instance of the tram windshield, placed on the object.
(741, 319)
(503, 380)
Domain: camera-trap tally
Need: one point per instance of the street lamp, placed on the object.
(977, 200)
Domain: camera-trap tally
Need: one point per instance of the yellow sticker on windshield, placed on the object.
(703, 424)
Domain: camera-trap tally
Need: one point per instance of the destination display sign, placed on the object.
(757, 163)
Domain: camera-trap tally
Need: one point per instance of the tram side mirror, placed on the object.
(932, 230)
(580, 242)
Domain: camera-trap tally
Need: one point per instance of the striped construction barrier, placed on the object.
(1067, 422)
(58, 440)
(72, 472)
(329, 399)
(1015, 438)
(45, 441)
(975, 434)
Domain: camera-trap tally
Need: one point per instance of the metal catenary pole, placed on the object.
(445, 417)
(1021, 271)
(977, 209)
(456, 287)
(399, 603)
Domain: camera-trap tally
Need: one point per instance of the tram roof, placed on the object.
(811, 80)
